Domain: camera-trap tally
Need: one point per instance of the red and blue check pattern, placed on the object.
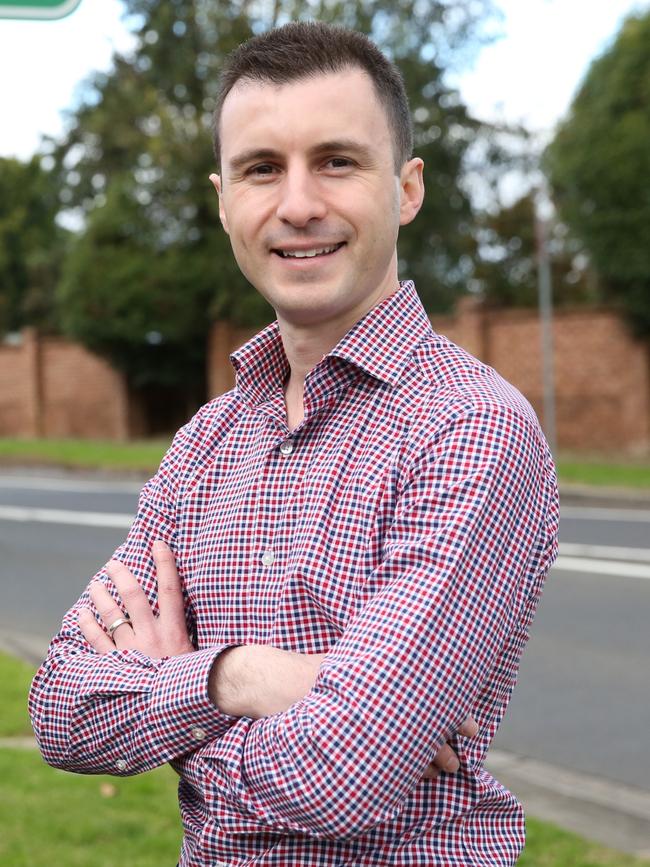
(405, 529)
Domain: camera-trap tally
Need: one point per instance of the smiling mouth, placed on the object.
(309, 254)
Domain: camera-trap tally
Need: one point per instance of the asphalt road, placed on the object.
(583, 700)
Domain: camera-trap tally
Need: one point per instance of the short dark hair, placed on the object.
(306, 48)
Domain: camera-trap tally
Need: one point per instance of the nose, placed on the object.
(300, 198)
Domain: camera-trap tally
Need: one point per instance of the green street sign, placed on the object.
(42, 9)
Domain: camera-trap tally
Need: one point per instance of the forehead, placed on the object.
(303, 112)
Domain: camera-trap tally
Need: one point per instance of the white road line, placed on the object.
(605, 552)
(589, 513)
(588, 559)
(65, 516)
(602, 567)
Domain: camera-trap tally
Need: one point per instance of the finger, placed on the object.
(93, 633)
(110, 611)
(431, 772)
(170, 594)
(446, 759)
(133, 597)
(469, 728)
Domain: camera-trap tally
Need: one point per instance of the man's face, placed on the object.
(309, 195)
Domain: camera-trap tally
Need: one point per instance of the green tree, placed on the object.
(599, 167)
(152, 268)
(31, 244)
(506, 259)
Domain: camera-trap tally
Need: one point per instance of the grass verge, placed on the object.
(55, 819)
(15, 677)
(137, 456)
(601, 473)
(50, 818)
(144, 457)
(550, 846)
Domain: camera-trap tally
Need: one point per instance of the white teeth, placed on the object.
(307, 254)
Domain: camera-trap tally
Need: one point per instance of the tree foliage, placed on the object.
(31, 244)
(599, 166)
(507, 255)
(152, 267)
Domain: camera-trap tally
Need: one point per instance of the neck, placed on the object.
(305, 344)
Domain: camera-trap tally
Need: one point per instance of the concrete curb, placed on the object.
(610, 813)
(594, 496)
(29, 648)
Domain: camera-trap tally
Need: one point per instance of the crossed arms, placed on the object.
(440, 639)
(251, 681)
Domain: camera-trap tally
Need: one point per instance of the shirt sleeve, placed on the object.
(464, 560)
(122, 712)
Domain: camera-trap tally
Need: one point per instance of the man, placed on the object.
(361, 527)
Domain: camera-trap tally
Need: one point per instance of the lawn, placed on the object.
(15, 678)
(139, 456)
(50, 818)
(602, 473)
(54, 819)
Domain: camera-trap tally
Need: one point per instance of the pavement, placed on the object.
(599, 809)
(597, 496)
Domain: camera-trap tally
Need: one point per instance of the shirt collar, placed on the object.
(380, 344)
(261, 366)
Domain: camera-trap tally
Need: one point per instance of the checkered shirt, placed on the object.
(404, 528)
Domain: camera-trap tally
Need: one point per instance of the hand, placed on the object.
(446, 759)
(164, 635)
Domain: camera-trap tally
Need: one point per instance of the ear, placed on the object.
(411, 190)
(216, 183)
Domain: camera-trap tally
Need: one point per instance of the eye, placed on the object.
(339, 163)
(261, 170)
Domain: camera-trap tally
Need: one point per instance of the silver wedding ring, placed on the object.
(116, 623)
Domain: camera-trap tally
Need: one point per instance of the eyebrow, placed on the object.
(348, 145)
(252, 155)
(344, 145)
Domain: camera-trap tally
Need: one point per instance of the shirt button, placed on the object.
(120, 764)
(198, 733)
(286, 448)
(267, 558)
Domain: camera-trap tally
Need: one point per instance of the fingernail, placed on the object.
(452, 765)
(159, 545)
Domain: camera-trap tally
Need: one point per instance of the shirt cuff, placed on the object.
(181, 715)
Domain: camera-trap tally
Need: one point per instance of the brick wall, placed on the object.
(51, 387)
(602, 374)
(19, 387)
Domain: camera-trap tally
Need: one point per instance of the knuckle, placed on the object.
(109, 612)
(165, 558)
(168, 588)
(131, 591)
